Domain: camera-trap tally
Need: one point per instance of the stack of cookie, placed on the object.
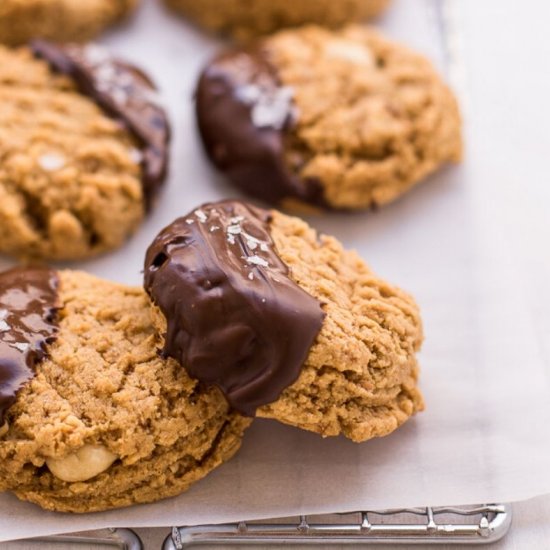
(112, 395)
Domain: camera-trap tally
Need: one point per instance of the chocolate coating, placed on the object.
(245, 116)
(28, 322)
(235, 318)
(125, 93)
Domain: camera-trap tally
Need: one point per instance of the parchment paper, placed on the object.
(471, 244)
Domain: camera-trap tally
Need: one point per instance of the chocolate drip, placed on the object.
(245, 116)
(235, 317)
(28, 322)
(124, 93)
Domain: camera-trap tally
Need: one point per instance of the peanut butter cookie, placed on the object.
(59, 20)
(336, 119)
(83, 150)
(244, 19)
(91, 417)
(284, 321)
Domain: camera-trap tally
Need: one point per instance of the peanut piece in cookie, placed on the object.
(82, 465)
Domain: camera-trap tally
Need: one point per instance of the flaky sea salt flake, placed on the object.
(21, 346)
(51, 162)
(274, 110)
(256, 260)
(95, 54)
(119, 95)
(248, 94)
(136, 155)
(202, 217)
(234, 229)
(106, 73)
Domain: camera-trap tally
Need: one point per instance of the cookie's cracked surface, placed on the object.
(338, 119)
(360, 374)
(75, 177)
(360, 377)
(245, 20)
(60, 20)
(115, 423)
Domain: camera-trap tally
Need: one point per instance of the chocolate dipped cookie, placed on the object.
(284, 321)
(331, 119)
(83, 150)
(59, 20)
(245, 19)
(91, 418)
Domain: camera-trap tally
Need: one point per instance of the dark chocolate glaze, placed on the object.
(245, 116)
(28, 322)
(235, 318)
(125, 93)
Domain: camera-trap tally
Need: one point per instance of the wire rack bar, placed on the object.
(124, 539)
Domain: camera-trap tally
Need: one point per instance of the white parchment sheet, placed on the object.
(471, 244)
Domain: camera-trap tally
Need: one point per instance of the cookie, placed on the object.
(91, 417)
(335, 119)
(245, 20)
(59, 20)
(284, 321)
(83, 150)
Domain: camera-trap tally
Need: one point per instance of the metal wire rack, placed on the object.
(443, 525)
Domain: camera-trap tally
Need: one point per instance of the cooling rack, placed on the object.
(473, 525)
(444, 525)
